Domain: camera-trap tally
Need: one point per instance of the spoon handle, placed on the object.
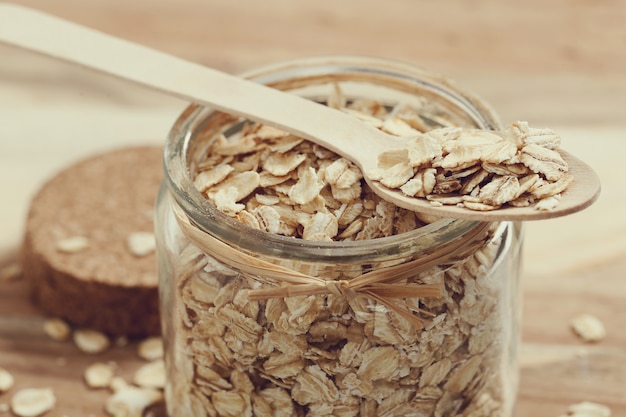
(67, 41)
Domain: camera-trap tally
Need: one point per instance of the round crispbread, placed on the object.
(76, 254)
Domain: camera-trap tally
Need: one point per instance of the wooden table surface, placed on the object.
(560, 64)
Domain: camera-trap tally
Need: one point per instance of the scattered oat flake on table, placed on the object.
(118, 383)
(151, 348)
(588, 327)
(72, 244)
(91, 341)
(151, 375)
(99, 375)
(141, 243)
(57, 329)
(32, 402)
(131, 401)
(588, 409)
(6, 380)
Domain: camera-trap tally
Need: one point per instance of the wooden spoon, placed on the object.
(335, 130)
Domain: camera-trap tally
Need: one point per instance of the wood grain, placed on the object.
(560, 64)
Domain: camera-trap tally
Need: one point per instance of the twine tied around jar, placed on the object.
(385, 285)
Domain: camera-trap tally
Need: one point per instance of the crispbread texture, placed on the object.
(102, 199)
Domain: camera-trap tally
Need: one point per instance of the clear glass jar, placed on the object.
(336, 352)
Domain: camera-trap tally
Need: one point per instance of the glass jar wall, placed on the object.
(419, 323)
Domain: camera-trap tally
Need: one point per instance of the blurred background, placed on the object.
(558, 63)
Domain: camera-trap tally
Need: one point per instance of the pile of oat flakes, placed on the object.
(478, 169)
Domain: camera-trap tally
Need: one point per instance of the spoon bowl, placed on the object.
(335, 130)
(578, 196)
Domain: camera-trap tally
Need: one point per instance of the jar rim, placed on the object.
(212, 221)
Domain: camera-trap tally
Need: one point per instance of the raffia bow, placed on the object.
(386, 285)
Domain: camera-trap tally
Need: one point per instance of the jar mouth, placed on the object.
(184, 138)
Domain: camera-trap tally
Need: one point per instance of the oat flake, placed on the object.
(588, 327)
(141, 243)
(6, 380)
(72, 244)
(151, 348)
(151, 375)
(99, 375)
(32, 402)
(588, 409)
(57, 329)
(91, 341)
(131, 401)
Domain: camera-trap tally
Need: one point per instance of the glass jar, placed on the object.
(259, 324)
